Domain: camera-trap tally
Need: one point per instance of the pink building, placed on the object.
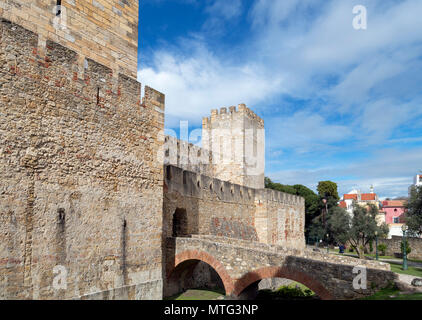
(394, 211)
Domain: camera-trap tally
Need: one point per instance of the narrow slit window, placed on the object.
(98, 96)
(58, 7)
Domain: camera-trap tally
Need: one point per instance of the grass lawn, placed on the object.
(411, 270)
(371, 255)
(393, 294)
(197, 294)
(395, 267)
(368, 255)
(380, 257)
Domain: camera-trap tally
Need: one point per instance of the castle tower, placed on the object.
(237, 141)
(105, 31)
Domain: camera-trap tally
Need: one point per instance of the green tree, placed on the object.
(317, 229)
(328, 189)
(363, 227)
(279, 187)
(339, 223)
(359, 230)
(414, 212)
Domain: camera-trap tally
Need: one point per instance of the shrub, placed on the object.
(287, 292)
(382, 248)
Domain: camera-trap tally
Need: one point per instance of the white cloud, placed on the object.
(390, 171)
(196, 84)
(225, 9)
(305, 132)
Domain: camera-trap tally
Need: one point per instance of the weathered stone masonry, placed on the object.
(102, 30)
(220, 208)
(80, 186)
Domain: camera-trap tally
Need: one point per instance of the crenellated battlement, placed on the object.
(193, 184)
(104, 30)
(232, 111)
(63, 69)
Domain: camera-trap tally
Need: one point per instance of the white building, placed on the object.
(362, 199)
(417, 182)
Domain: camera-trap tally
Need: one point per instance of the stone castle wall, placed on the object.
(102, 30)
(81, 190)
(187, 156)
(220, 208)
(394, 246)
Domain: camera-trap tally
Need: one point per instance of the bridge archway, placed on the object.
(185, 262)
(281, 272)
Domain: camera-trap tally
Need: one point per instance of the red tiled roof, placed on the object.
(350, 196)
(342, 204)
(368, 196)
(393, 203)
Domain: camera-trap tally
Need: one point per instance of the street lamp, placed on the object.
(404, 228)
(327, 243)
(376, 245)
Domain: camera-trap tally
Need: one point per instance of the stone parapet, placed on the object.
(194, 184)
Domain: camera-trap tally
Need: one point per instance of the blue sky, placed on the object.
(339, 104)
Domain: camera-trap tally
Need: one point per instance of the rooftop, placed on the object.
(393, 203)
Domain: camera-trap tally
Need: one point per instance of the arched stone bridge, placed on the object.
(242, 264)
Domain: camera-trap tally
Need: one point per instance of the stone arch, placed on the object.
(282, 272)
(194, 255)
(180, 223)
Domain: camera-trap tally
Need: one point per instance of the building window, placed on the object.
(396, 220)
